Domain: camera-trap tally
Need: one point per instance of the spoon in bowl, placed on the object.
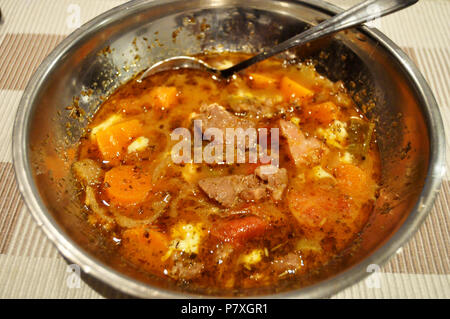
(356, 15)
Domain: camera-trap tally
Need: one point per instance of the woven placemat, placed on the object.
(30, 267)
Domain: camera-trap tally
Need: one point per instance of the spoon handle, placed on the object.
(358, 14)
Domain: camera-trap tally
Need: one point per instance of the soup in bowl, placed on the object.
(332, 158)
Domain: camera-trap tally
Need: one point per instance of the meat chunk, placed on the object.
(216, 116)
(88, 172)
(275, 177)
(228, 190)
(303, 149)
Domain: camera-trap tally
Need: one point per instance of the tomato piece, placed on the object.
(239, 230)
(352, 180)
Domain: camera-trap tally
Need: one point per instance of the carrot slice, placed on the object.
(240, 229)
(113, 141)
(261, 81)
(324, 113)
(127, 184)
(143, 244)
(352, 180)
(163, 96)
(292, 89)
(310, 208)
(150, 241)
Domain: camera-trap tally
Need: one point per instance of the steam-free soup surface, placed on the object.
(220, 225)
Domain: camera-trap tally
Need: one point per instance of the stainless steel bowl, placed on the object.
(111, 48)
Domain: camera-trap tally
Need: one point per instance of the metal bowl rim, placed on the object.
(121, 282)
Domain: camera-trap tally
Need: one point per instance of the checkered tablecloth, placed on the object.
(31, 267)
